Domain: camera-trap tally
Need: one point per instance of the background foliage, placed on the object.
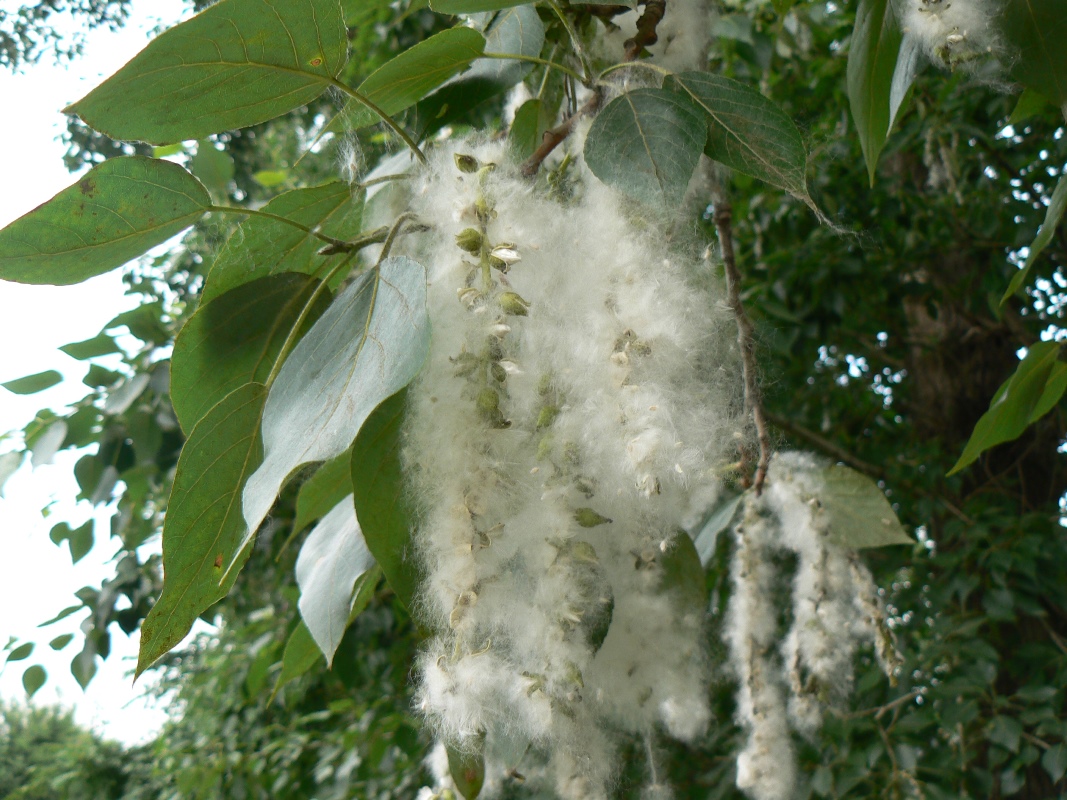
(880, 349)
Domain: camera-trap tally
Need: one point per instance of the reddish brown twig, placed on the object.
(555, 137)
(723, 218)
(646, 28)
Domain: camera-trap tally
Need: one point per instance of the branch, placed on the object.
(555, 137)
(646, 28)
(723, 217)
(824, 444)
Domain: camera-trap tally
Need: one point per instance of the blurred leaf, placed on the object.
(859, 513)
(203, 530)
(235, 339)
(83, 666)
(872, 63)
(9, 465)
(1029, 104)
(114, 213)
(61, 641)
(260, 247)
(270, 178)
(99, 345)
(647, 143)
(370, 343)
(213, 167)
(80, 540)
(1055, 761)
(48, 443)
(33, 679)
(1014, 403)
(1035, 30)
(20, 653)
(32, 384)
(235, 64)
(472, 6)
(331, 560)
(1006, 731)
(380, 501)
(718, 520)
(1053, 216)
(683, 573)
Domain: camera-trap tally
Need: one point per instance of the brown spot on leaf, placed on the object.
(87, 186)
(218, 561)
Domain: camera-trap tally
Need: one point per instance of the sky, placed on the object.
(37, 579)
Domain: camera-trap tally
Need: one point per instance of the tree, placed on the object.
(872, 282)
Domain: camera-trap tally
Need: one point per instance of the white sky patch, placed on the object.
(37, 579)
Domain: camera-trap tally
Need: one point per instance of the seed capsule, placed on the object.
(513, 304)
(466, 163)
(470, 240)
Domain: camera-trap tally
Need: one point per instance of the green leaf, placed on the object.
(467, 768)
(472, 6)
(213, 167)
(203, 530)
(33, 679)
(1014, 403)
(1035, 31)
(517, 30)
(1006, 731)
(61, 641)
(1029, 104)
(410, 76)
(718, 519)
(66, 612)
(1055, 761)
(647, 143)
(32, 384)
(9, 465)
(47, 444)
(526, 130)
(114, 213)
(269, 178)
(20, 653)
(330, 484)
(80, 540)
(261, 246)
(235, 339)
(235, 64)
(872, 63)
(332, 559)
(380, 501)
(1054, 389)
(301, 652)
(858, 512)
(368, 345)
(684, 574)
(747, 132)
(99, 345)
(1053, 217)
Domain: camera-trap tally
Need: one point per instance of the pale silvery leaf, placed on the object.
(46, 447)
(908, 64)
(367, 346)
(330, 562)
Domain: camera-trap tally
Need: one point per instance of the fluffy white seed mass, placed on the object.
(953, 32)
(579, 396)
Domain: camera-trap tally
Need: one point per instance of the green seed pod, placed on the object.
(470, 240)
(513, 304)
(547, 416)
(488, 401)
(498, 373)
(588, 518)
(466, 163)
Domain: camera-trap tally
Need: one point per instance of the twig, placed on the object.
(824, 444)
(555, 137)
(646, 28)
(723, 218)
(879, 711)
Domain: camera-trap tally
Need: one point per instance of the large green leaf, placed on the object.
(33, 679)
(858, 512)
(32, 384)
(261, 246)
(203, 531)
(235, 339)
(331, 483)
(116, 212)
(1036, 30)
(1053, 217)
(747, 132)
(872, 63)
(378, 493)
(237, 63)
(647, 143)
(331, 560)
(368, 345)
(517, 30)
(410, 76)
(1015, 402)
